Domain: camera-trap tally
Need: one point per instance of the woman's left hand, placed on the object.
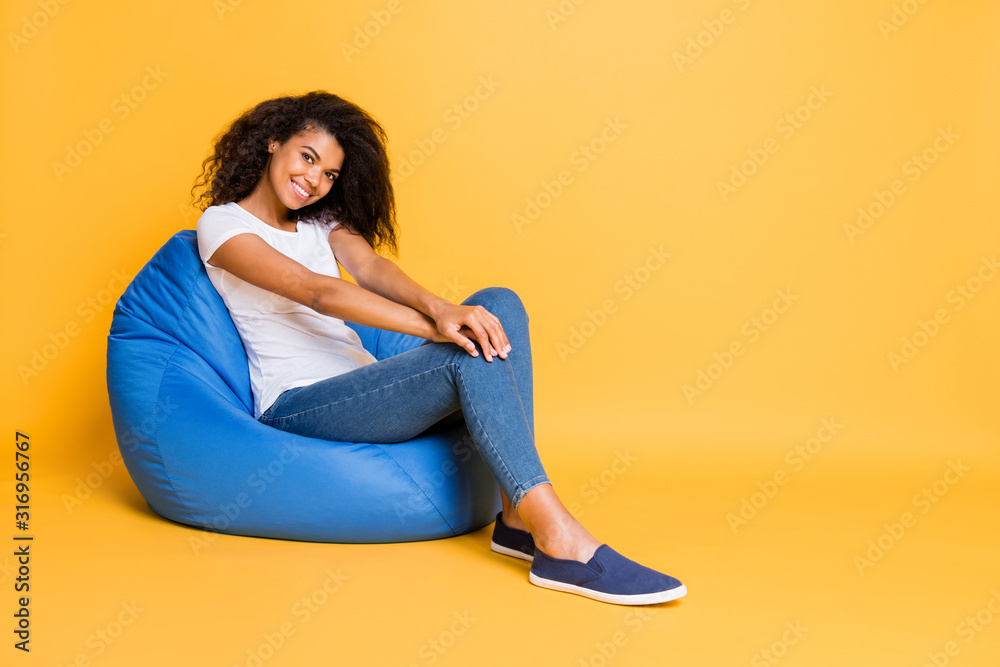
(458, 324)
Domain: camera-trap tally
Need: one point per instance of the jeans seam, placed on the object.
(351, 398)
(496, 456)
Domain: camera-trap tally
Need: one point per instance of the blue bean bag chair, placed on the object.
(179, 389)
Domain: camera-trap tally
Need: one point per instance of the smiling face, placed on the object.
(302, 170)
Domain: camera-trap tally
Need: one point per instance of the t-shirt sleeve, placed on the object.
(216, 228)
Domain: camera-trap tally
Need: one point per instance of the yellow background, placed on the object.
(692, 90)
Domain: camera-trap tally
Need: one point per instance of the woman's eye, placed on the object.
(307, 157)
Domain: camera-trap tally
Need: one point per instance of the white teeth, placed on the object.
(300, 190)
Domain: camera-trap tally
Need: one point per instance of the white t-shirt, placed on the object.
(287, 344)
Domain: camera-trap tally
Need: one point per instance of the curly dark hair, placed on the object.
(361, 197)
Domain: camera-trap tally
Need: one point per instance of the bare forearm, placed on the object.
(346, 301)
(385, 278)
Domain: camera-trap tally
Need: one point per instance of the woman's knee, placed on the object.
(498, 300)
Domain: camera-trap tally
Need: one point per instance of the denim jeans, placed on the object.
(399, 397)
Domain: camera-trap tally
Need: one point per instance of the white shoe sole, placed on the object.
(507, 551)
(644, 598)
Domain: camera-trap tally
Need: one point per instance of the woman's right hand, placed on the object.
(462, 324)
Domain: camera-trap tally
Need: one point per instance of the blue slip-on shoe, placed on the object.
(607, 577)
(511, 541)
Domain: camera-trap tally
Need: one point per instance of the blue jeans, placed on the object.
(399, 397)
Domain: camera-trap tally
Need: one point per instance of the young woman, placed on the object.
(296, 185)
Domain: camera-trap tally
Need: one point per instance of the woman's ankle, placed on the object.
(567, 543)
(555, 530)
(512, 520)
